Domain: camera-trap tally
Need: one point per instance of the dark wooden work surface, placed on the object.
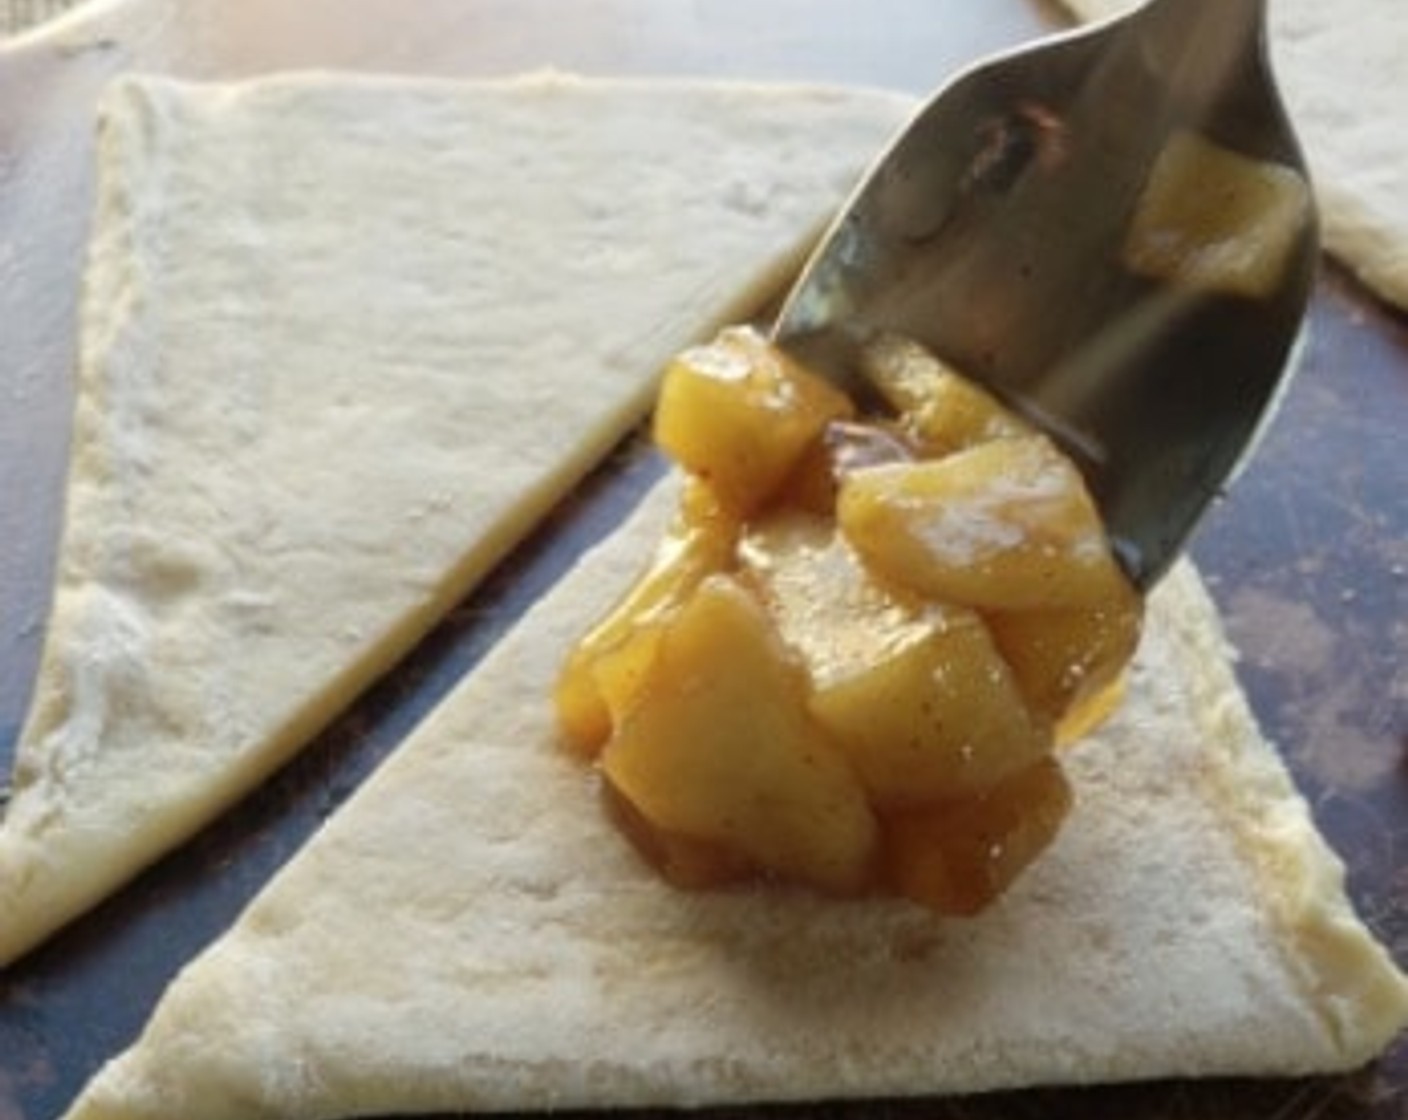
(1308, 558)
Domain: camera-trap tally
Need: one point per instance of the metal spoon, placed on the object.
(991, 232)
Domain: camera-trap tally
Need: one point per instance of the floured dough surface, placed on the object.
(1342, 66)
(470, 932)
(344, 341)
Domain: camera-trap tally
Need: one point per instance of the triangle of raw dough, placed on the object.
(344, 341)
(470, 933)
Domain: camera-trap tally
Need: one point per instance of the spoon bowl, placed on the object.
(1010, 229)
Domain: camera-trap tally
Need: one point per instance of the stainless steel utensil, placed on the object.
(991, 232)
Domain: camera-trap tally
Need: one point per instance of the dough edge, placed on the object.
(1338, 971)
(1344, 973)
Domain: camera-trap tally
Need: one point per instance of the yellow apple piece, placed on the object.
(739, 413)
(1091, 710)
(916, 695)
(956, 858)
(941, 410)
(683, 861)
(603, 671)
(1065, 656)
(1214, 219)
(843, 448)
(1004, 525)
(719, 747)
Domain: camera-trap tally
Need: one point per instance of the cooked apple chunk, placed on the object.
(843, 448)
(852, 657)
(1005, 525)
(739, 413)
(941, 410)
(916, 694)
(1063, 657)
(956, 858)
(605, 668)
(684, 861)
(1215, 219)
(718, 746)
(938, 718)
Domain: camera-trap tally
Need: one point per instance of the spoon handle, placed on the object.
(1202, 47)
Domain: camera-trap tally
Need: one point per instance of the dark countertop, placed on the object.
(1308, 556)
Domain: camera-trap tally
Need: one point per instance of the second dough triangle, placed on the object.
(345, 340)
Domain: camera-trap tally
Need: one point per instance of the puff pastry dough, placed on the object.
(471, 933)
(344, 342)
